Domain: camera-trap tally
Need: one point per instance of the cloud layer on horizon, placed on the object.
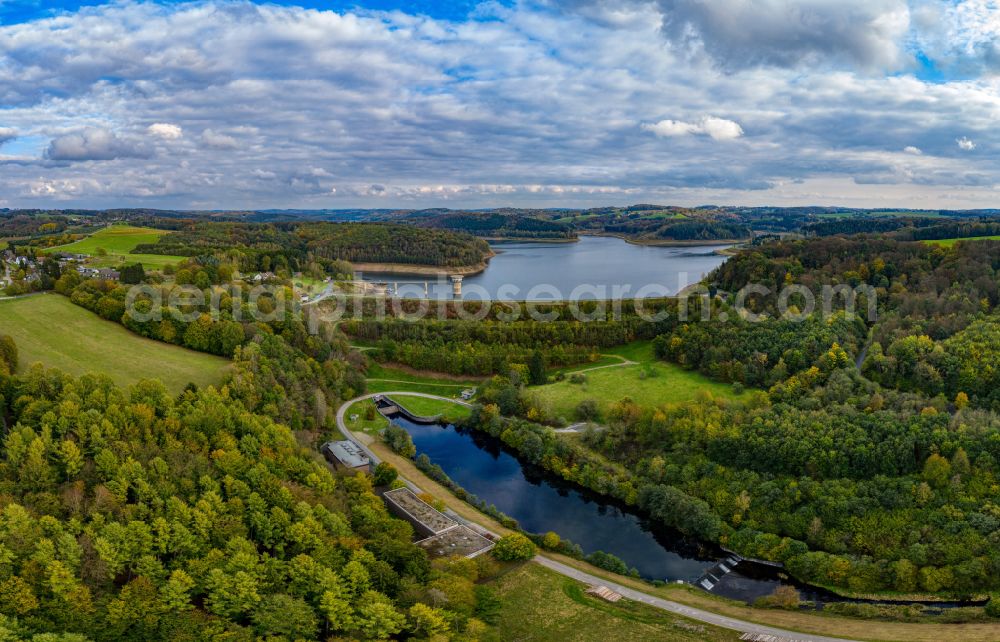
(231, 104)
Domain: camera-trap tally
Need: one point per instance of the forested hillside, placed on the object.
(495, 225)
(299, 243)
(682, 230)
(127, 514)
(935, 331)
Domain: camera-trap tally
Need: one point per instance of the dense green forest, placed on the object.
(324, 242)
(935, 330)
(129, 514)
(681, 230)
(905, 228)
(494, 225)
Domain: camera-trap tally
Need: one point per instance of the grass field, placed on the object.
(950, 242)
(118, 241)
(49, 329)
(385, 379)
(367, 426)
(649, 382)
(417, 405)
(541, 605)
(424, 407)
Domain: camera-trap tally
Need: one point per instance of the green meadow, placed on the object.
(647, 381)
(424, 407)
(49, 329)
(538, 604)
(118, 241)
(950, 242)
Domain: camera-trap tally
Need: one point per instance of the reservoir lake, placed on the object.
(595, 267)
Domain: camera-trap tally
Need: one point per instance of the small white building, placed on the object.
(346, 455)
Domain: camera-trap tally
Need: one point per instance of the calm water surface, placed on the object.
(593, 267)
(542, 502)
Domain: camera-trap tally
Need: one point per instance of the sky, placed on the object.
(225, 104)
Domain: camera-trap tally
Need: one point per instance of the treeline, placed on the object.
(485, 348)
(529, 333)
(681, 229)
(132, 515)
(17, 224)
(629, 311)
(927, 297)
(966, 365)
(701, 230)
(303, 242)
(474, 358)
(496, 225)
(952, 230)
(759, 354)
(848, 225)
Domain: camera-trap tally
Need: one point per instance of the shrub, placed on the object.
(400, 441)
(783, 597)
(514, 548)
(385, 473)
(587, 410)
(610, 562)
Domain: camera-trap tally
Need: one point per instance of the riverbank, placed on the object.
(666, 242)
(517, 239)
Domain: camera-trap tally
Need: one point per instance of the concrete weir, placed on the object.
(713, 575)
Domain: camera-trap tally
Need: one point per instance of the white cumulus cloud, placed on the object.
(715, 128)
(165, 131)
(910, 149)
(965, 144)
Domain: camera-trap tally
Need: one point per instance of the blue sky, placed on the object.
(226, 103)
(19, 11)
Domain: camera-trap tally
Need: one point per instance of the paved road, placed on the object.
(342, 413)
(680, 609)
(582, 576)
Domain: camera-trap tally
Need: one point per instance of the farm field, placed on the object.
(648, 381)
(538, 604)
(48, 328)
(950, 242)
(118, 241)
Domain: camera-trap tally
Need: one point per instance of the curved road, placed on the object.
(568, 571)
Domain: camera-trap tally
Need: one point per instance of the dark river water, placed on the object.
(542, 502)
(595, 267)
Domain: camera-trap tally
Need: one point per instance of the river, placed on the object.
(542, 502)
(595, 267)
